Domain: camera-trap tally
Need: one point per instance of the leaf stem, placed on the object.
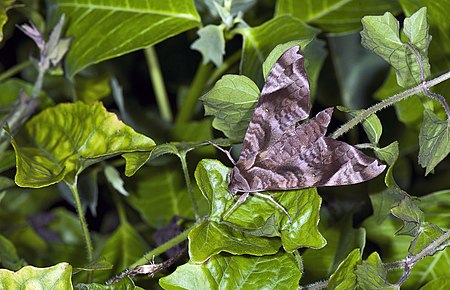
(14, 70)
(188, 106)
(189, 184)
(388, 102)
(161, 249)
(229, 62)
(158, 83)
(84, 228)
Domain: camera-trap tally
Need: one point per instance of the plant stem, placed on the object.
(387, 102)
(229, 62)
(189, 184)
(15, 69)
(84, 228)
(161, 249)
(158, 83)
(39, 82)
(187, 108)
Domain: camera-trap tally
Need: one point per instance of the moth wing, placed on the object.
(309, 159)
(283, 102)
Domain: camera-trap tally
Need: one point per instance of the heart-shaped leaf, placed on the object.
(61, 141)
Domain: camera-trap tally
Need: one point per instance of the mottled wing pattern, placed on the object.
(283, 102)
(308, 159)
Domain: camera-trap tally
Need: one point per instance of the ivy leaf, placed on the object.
(335, 16)
(61, 141)
(123, 27)
(344, 276)
(434, 141)
(29, 277)
(211, 44)
(231, 101)
(381, 35)
(124, 284)
(278, 271)
(371, 275)
(259, 42)
(209, 238)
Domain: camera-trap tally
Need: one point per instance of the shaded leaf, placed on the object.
(434, 141)
(231, 101)
(335, 15)
(381, 35)
(410, 214)
(8, 255)
(50, 148)
(92, 89)
(371, 274)
(29, 277)
(344, 277)
(122, 248)
(211, 44)
(259, 42)
(124, 26)
(158, 194)
(427, 234)
(7, 160)
(278, 271)
(436, 207)
(384, 201)
(97, 265)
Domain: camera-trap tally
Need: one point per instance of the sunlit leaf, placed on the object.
(5, 6)
(335, 15)
(427, 234)
(441, 283)
(278, 271)
(371, 275)
(61, 141)
(29, 277)
(371, 125)
(410, 214)
(123, 26)
(344, 277)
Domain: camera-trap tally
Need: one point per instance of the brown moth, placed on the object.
(279, 155)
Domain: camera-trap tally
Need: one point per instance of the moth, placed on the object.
(278, 154)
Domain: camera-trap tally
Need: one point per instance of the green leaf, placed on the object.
(441, 283)
(97, 265)
(335, 16)
(436, 207)
(389, 154)
(7, 160)
(92, 89)
(381, 35)
(124, 284)
(5, 6)
(384, 201)
(210, 238)
(122, 248)
(112, 28)
(61, 141)
(371, 125)
(410, 214)
(344, 277)
(434, 141)
(8, 255)
(278, 271)
(158, 193)
(29, 277)
(231, 101)
(259, 42)
(342, 238)
(211, 44)
(6, 182)
(427, 234)
(371, 275)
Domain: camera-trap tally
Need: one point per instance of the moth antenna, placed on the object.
(224, 151)
(240, 201)
(275, 203)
